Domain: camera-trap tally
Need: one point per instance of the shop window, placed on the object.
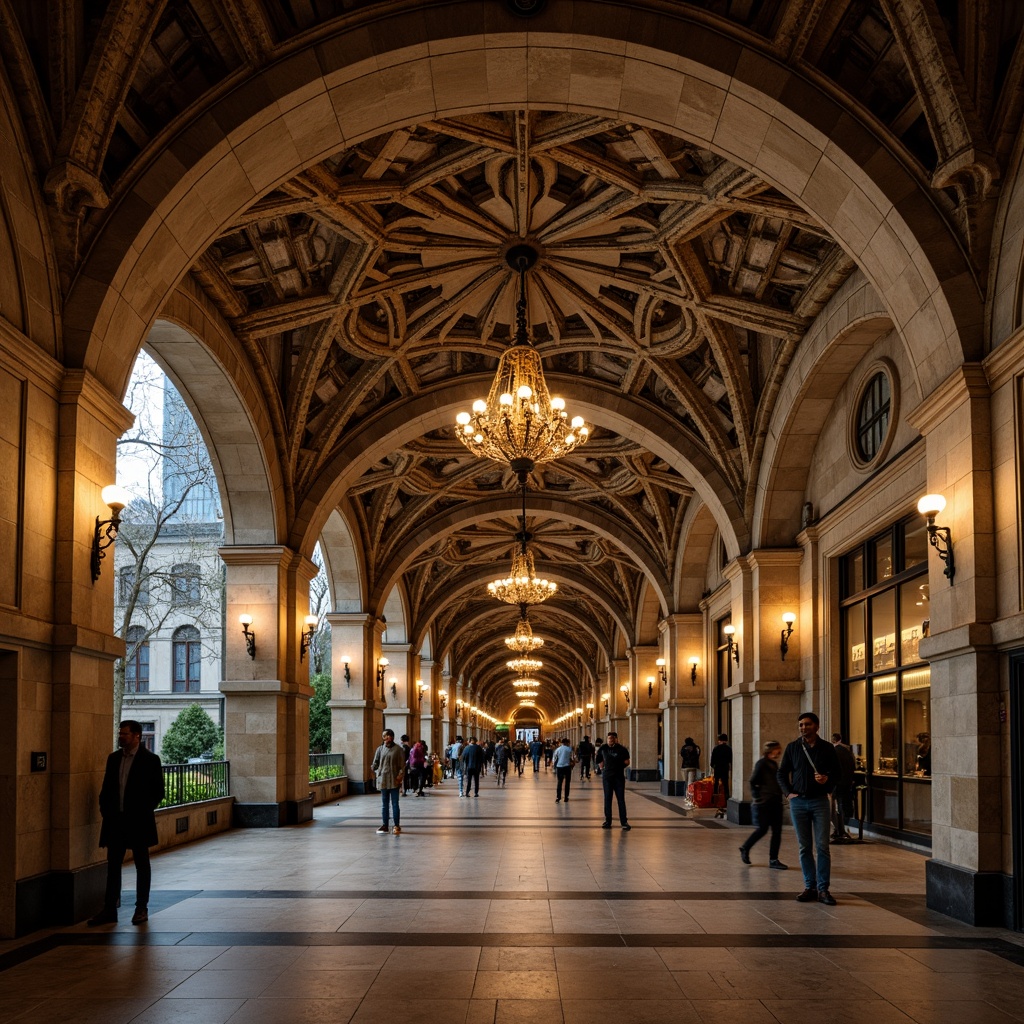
(886, 686)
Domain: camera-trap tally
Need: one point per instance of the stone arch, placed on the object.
(396, 67)
(648, 608)
(436, 409)
(346, 570)
(697, 540)
(1006, 286)
(845, 330)
(29, 288)
(197, 351)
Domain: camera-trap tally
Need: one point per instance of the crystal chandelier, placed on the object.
(524, 642)
(520, 423)
(524, 666)
(531, 684)
(526, 693)
(523, 586)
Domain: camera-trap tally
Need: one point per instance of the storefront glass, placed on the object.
(886, 686)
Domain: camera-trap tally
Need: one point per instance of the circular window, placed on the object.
(876, 409)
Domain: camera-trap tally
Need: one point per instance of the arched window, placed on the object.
(136, 662)
(185, 583)
(187, 659)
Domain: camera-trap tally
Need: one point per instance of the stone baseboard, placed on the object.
(981, 898)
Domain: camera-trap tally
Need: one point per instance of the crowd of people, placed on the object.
(815, 777)
(407, 767)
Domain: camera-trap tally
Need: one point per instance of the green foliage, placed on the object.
(327, 771)
(320, 715)
(191, 734)
(191, 792)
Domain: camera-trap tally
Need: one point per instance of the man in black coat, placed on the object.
(133, 785)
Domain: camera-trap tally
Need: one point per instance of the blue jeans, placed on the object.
(811, 817)
(385, 796)
(458, 775)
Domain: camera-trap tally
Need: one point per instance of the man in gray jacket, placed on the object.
(389, 767)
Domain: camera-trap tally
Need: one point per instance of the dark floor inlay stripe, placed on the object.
(513, 896)
(684, 812)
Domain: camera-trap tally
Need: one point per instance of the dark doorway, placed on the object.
(8, 788)
(1016, 713)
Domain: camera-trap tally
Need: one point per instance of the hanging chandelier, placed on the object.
(524, 642)
(526, 693)
(520, 423)
(531, 684)
(524, 666)
(523, 586)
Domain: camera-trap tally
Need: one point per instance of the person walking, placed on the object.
(585, 755)
(807, 775)
(501, 757)
(455, 758)
(388, 766)
(721, 766)
(689, 755)
(406, 776)
(536, 752)
(418, 766)
(562, 759)
(767, 794)
(472, 765)
(613, 760)
(133, 786)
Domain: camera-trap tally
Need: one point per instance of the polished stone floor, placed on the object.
(513, 908)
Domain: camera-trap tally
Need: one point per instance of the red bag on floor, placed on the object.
(720, 799)
(702, 792)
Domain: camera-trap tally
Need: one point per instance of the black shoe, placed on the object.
(626, 828)
(141, 915)
(808, 896)
(103, 917)
(778, 865)
(558, 799)
(606, 824)
(744, 856)
(824, 896)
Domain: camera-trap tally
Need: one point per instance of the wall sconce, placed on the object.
(250, 636)
(459, 707)
(650, 686)
(938, 536)
(788, 618)
(115, 498)
(442, 696)
(731, 646)
(694, 662)
(661, 670)
(382, 666)
(345, 659)
(306, 635)
(394, 686)
(590, 711)
(420, 687)
(606, 697)
(624, 690)
(579, 716)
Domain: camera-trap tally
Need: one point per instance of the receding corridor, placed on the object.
(510, 907)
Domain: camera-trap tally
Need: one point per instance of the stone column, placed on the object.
(62, 882)
(619, 706)
(965, 876)
(267, 698)
(685, 704)
(357, 707)
(644, 699)
(395, 689)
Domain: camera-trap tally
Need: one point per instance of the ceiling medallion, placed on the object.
(524, 642)
(520, 423)
(524, 666)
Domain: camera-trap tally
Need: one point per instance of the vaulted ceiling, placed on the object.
(671, 284)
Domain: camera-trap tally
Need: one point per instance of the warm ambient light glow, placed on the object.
(522, 586)
(930, 504)
(789, 618)
(245, 620)
(524, 642)
(115, 497)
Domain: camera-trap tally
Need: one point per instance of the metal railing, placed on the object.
(191, 783)
(326, 766)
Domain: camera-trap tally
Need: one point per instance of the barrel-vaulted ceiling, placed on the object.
(666, 276)
(672, 288)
